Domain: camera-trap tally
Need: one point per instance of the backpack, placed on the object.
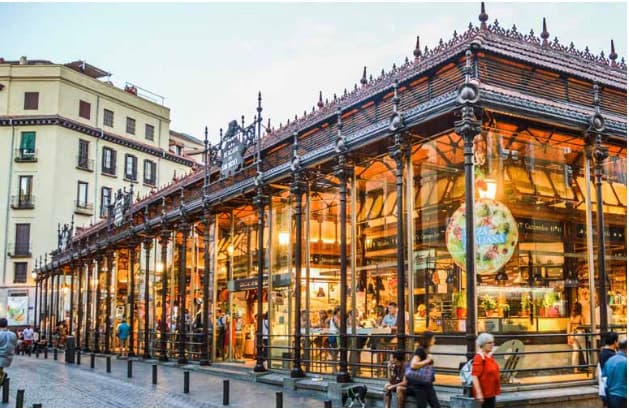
(466, 372)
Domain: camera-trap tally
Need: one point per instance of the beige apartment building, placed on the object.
(71, 140)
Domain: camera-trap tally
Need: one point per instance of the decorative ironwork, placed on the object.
(120, 206)
(233, 144)
(64, 235)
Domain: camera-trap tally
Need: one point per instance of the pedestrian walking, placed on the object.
(397, 383)
(615, 370)
(8, 341)
(123, 336)
(485, 372)
(608, 351)
(420, 375)
(27, 334)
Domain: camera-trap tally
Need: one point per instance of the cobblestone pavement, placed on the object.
(56, 384)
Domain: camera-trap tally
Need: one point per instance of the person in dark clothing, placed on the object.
(609, 349)
(424, 392)
(397, 382)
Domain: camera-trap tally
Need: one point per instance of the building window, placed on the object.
(149, 132)
(109, 161)
(108, 118)
(130, 126)
(22, 240)
(84, 109)
(149, 172)
(105, 201)
(24, 199)
(81, 195)
(83, 161)
(31, 100)
(178, 150)
(26, 152)
(20, 269)
(131, 167)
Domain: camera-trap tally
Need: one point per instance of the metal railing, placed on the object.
(20, 249)
(23, 201)
(84, 208)
(84, 163)
(26, 155)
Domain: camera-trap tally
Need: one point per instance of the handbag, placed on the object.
(423, 375)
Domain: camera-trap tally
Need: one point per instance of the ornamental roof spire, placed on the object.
(363, 80)
(417, 52)
(483, 16)
(613, 56)
(320, 103)
(544, 34)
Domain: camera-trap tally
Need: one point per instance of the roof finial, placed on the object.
(597, 99)
(320, 103)
(483, 16)
(363, 80)
(417, 52)
(544, 34)
(613, 56)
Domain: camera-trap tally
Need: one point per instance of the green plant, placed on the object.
(488, 302)
(459, 300)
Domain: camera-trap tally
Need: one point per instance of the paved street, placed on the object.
(55, 384)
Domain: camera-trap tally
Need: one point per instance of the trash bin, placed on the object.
(70, 349)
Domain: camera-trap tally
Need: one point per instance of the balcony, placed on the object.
(85, 164)
(20, 249)
(23, 201)
(26, 155)
(83, 208)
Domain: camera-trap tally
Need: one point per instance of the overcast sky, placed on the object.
(210, 60)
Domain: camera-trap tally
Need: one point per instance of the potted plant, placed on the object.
(459, 301)
(488, 303)
(504, 308)
(525, 304)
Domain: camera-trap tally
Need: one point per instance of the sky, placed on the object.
(209, 60)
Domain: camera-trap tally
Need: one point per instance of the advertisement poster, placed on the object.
(17, 309)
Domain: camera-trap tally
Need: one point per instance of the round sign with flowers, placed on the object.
(495, 233)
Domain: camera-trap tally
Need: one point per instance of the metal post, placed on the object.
(5, 390)
(259, 201)
(279, 399)
(205, 357)
(108, 363)
(297, 190)
(129, 368)
(225, 392)
(99, 268)
(92, 360)
(132, 250)
(35, 312)
(185, 231)
(148, 244)
(600, 154)
(71, 324)
(78, 356)
(54, 353)
(154, 374)
(56, 311)
(164, 238)
(19, 399)
(110, 263)
(186, 381)
(88, 303)
(79, 321)
(46, 352)
(468, 127)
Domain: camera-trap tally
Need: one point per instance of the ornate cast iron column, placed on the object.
(260, 201)
(468, 127)
(148, 244)
(50, 284)
(99, 268)
(184, 229)
(57, 315)
(599, 154)
(297, 189)
(342, 171)
(110, 265)
(164, 237)
(36, 280)
(132, 251)
(88, 303)
(79, 301)
(209, 223)
(73, 267)
(399, 152)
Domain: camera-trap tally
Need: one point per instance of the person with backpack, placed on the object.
(485, 372)
(123, 337)
(8, 341)
(420, 374)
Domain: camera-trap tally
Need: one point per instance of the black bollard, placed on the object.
(37, 354)
(279, 399)
(78, 357)
(108, 364)
(327, 404)
(5, 390)
(37, 405)
(225, 392)
(54, 353)
(45, 353)
(154, 374)
(19, 399)
(92, 360)
(129, 369)
(186, 382)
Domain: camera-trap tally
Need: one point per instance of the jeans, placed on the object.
(617, 402)
(424, 394)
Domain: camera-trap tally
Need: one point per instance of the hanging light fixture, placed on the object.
(501, 277)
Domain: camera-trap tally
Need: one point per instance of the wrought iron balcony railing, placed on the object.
(23, 201)
(84, 163)
(83, 208)
(26, 155)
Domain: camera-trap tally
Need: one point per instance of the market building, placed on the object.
(361, 203)
(68, 122)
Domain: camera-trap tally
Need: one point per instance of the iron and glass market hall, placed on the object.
(324, 244)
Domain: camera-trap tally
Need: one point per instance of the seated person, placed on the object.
(396, 383)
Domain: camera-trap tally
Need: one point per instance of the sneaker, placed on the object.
(2, 379)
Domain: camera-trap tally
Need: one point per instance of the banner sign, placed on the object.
(17, 308)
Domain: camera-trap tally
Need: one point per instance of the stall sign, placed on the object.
(17, 308)
(527, 225)
(495, 233)
(279, 280)
(612, 233)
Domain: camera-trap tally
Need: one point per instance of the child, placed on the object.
(397, 382)
(8, 341)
